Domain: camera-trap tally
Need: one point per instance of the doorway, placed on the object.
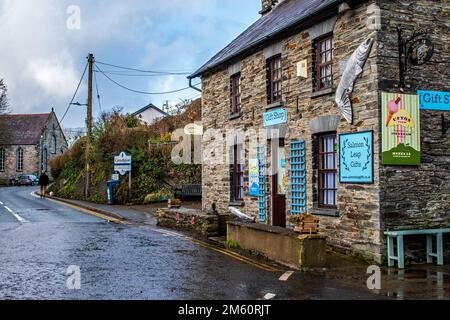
(279, 183)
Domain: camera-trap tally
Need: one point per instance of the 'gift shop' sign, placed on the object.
(434, 100)
(274, 117)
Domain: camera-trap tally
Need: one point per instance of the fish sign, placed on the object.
(353, 70)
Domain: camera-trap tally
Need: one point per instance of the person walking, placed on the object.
(43, 182)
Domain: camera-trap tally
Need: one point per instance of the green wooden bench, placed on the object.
(430, 233)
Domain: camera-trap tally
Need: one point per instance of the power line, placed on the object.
(138, 91)
(73, 98)
(98, 94)
(128, 74)
(145, 71)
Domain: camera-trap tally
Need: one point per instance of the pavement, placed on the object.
(41, 240)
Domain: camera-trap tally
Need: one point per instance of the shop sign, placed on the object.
(421, 51)
(400, 129)
(274, 117)
(195, 129)
(434, 100)
(254, 178)
(356, 158)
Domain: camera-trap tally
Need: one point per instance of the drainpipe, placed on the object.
(191, 86)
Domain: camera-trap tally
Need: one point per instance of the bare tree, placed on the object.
(4, 106)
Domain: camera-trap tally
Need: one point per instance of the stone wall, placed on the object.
(53, 128)
(357, 227)
(189, 220)
(30, 162)
(418, 197)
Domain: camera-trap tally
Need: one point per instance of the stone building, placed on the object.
(27, 144)
(286, 74)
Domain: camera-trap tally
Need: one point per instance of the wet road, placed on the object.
(40, 239)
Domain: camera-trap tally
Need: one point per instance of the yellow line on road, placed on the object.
(90, 212)
(237, 256)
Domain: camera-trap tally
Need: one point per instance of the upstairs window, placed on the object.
(19, 160)
(323, 63)
(327, 173)
(2, 160)
(235, 87)
(274, 80)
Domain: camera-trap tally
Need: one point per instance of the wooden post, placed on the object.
(91, 61)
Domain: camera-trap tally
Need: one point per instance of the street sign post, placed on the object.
(123, 165)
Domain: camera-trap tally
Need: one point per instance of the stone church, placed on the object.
(27, 144)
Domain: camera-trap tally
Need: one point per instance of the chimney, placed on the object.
(267, 6)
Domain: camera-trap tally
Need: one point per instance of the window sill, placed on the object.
(237, 204)
(322, 93)
(325, 212)
(235, 116)
(275, 105)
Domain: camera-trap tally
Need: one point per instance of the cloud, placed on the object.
(42, 60)
(56, 75)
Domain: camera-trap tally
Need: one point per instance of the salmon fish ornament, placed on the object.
(353, 70)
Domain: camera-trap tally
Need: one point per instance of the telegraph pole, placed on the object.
(91, 61)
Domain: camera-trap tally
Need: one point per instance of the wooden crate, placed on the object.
(308, 224)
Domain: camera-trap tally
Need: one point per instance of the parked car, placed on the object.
(27, 180)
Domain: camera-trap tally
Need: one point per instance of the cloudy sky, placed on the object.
(42, 60)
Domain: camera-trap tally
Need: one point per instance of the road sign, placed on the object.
(122, 163)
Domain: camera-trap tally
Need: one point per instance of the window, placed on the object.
(45, 160)
(235, 87)
(274, 80)
(327, 171)
(323, 64)
(54, 144)
(19, 160)
(237, 174)
(2, 159)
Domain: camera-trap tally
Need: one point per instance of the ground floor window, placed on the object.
(237, 174)
(327, 171)
(2, 159)
(19, 159)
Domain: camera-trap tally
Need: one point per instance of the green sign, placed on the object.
(400, 129)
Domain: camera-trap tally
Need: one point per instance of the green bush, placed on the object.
(153, 169)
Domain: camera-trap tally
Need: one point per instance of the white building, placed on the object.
(150, 114)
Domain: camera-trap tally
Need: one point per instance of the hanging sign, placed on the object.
(254, 178)
(400, 129)
(274, 117)
(195, 129)
(356, 158)
(421, 51)
(122, 163)
(434, 100)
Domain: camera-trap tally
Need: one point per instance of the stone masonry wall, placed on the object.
(357, 228)
(53, 128)
(30, 162)
(418, 197)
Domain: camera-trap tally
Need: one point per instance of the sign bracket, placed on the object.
(405, 45)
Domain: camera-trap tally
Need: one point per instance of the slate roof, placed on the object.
(22, 129)
(284, 16)
(150, 106)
